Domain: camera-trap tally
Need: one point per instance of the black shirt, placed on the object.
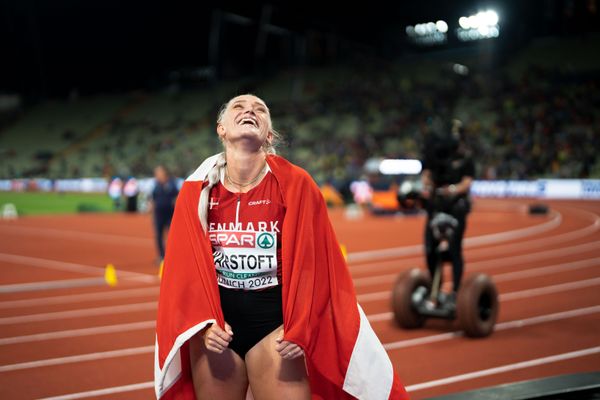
(451, 170)
(448, 171)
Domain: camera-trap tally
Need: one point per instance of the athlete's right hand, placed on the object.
(217, 339)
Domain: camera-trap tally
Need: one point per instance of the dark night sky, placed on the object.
(54, 45)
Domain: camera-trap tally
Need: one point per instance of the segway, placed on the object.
(416, 296)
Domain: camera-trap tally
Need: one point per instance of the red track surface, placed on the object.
(78, 339)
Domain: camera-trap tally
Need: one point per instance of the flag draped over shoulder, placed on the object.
(344, 358)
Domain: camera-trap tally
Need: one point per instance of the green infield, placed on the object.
(32, 203)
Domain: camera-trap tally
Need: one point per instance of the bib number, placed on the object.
(245, 259)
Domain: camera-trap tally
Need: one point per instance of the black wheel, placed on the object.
(477, 305)
(405, 287)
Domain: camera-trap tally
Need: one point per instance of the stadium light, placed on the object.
(441, 26)
(400, 167)
(483, 25)
(428, 33)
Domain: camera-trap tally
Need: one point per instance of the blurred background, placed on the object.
(94, 95)
(101, 89)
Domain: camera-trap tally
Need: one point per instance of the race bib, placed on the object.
(245, 259)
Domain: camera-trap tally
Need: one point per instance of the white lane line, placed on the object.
(362, 298)
(78, 235)
(486, 264)
(370, 255)
(103, 392)
(411, 388)
(79, 313)
(70, 333)
(502, 249)
(78, 358)
(83, 297)
(504, 368)
(520, 294)
(547, 270)
(388, 346)
(502, 326)
(505, 277)
(48, 285)
(372, 317)
(549, 289)
(72, 267)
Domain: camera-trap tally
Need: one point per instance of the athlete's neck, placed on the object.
(243, 166)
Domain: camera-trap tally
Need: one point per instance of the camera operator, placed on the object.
(448, 171)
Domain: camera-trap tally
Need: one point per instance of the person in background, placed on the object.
(131, 191)
(162, 205)
(115, 189)
(448, 171)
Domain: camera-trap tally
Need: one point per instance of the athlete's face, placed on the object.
(246, 119)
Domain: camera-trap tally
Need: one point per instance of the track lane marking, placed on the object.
(521, 245)
(51, 285)
(410, 388)
(502, 326)
(516, 295)
(515, 324)
(103, 392)
(70, 333)
(110, 293)
(72, 267)
(492, 263)
(504, 277)
(370, 255)
(78, 358)
(78, 235)
(504, 368)
(84, 312)
(79, 313)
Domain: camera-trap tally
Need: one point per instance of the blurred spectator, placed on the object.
(162, 205)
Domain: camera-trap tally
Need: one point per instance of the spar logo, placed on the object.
(242, 239)
(232, 239)
(265, 240)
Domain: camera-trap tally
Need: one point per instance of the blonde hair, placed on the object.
(268, 147)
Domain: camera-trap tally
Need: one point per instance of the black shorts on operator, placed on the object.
(252, 314)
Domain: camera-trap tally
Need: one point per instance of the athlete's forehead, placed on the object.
(247, 98)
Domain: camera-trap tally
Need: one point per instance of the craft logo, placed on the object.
(265, 240)
(259, 202)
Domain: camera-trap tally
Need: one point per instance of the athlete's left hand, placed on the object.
(287, 350)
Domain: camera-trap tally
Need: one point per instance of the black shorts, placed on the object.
(252, 314)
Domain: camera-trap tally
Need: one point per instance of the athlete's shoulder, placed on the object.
(202, 171)
(287, 170)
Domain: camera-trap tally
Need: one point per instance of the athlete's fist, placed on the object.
(217, 339)
(287, 350)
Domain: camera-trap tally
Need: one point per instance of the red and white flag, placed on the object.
(344, 357)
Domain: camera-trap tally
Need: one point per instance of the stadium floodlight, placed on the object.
(441, 26)
(490, 18)
(428, 33)
(483, 25)
(391, 166)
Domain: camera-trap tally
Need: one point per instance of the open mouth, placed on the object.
(249, 121)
